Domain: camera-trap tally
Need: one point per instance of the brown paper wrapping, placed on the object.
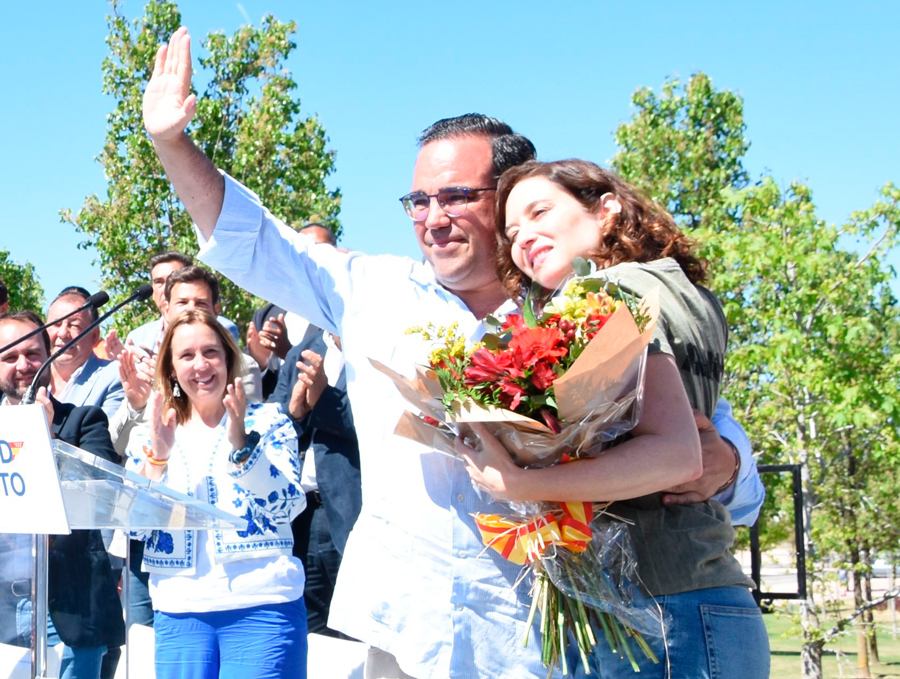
(598, 398)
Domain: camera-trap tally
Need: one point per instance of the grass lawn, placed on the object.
(840, 657)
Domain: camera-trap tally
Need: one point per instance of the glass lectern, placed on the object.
(96, 494)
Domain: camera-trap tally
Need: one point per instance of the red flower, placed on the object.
(537, 344)
(515, 322)
(511, 393)
(489, 367)
(543, 376)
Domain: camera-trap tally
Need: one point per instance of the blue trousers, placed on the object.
(263, 642)
(715, 633)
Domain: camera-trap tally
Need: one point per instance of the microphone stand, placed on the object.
(142, 293)
(96, 301)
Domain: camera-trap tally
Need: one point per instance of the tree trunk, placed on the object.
(811, 660)
(893, 603)
(862, 644)
(869, 617)
(811, 652)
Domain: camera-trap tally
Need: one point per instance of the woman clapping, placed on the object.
(227, 603)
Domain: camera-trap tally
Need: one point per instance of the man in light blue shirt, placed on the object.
(78, 376)
(415, 582)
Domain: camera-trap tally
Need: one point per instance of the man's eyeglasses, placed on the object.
(453, 202)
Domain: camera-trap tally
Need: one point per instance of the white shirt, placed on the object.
(296, 327)
(415, 580)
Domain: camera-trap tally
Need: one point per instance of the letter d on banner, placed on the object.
(30, 496)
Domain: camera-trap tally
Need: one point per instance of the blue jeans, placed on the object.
(140, 608)
(715, 633)
(321, 561)
(263, 642)
(76, 663)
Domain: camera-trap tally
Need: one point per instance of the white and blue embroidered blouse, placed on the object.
(265, 490)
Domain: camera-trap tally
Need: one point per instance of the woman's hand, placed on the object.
(162, 426)
(137, 389)
(235, 402)
(492, 468)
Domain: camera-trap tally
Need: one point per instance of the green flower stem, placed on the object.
(538, 581)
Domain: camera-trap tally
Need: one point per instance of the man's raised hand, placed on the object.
(168, 102)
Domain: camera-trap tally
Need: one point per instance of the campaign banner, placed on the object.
(30, 496)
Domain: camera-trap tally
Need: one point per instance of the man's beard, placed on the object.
(15, 393)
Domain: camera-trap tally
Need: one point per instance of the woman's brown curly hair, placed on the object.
(641, 232)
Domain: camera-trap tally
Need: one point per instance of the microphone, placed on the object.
(141, 294)
(95, 301)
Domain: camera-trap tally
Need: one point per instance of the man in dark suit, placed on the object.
(85, 611)
(312, 390)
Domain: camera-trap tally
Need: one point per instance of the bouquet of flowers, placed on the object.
(553, 385)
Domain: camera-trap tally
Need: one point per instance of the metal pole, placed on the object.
(799, 536)
(756, 561)
(39, 608)
(126, 601)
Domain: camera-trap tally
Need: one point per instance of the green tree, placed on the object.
(248, 121)
(25, 292)
(813, 368)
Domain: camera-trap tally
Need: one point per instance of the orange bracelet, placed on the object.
(155, 461)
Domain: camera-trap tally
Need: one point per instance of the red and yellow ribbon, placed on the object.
(568, 527)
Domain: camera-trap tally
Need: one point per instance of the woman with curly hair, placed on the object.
(227, 603)
(547, 215)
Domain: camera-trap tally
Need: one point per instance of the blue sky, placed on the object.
(820, 81)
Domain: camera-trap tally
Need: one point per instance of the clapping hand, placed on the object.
(136, 386)
(236, 406)
(168, 102)
(311, 382)
(275, 337)
(162, 426)
(271, 339)
(114, 346)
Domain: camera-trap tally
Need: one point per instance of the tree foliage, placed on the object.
(25, 291)
(248, 121)
(813, 368)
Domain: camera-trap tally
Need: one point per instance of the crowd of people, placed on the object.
(352, 530)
